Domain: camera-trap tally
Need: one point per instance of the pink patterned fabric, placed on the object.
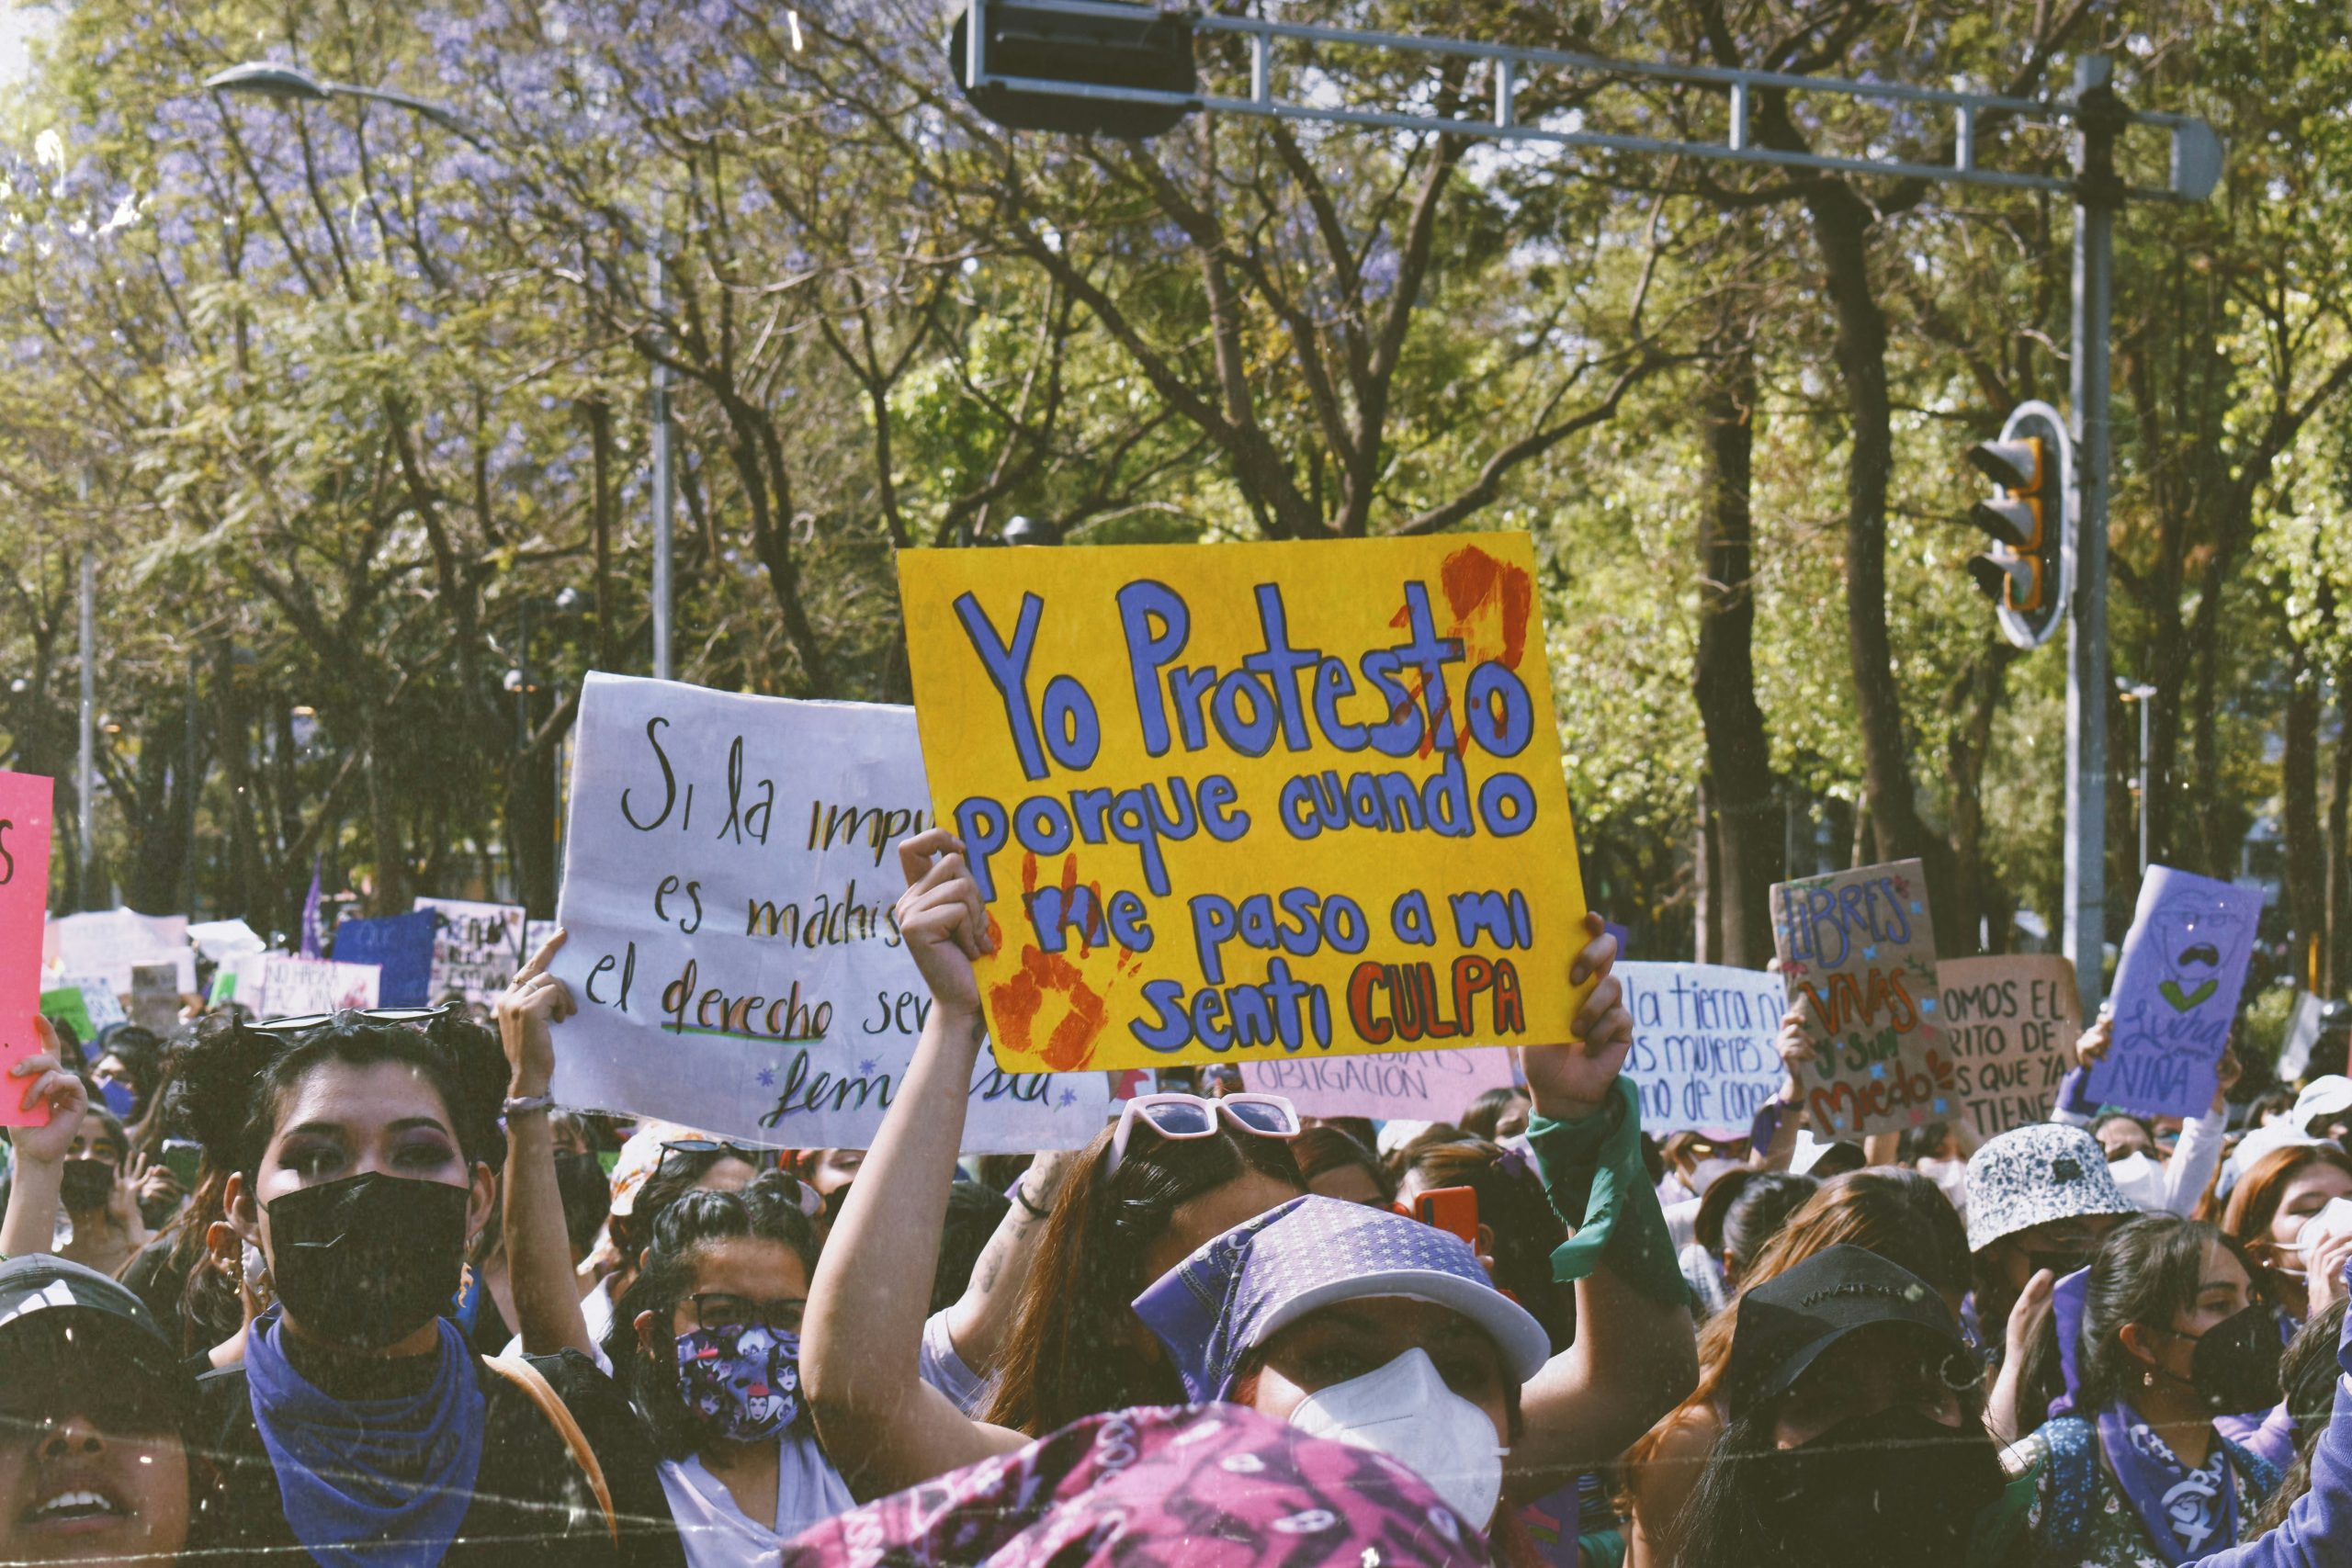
(1214, 1485)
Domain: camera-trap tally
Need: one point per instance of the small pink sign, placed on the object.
(24, 906)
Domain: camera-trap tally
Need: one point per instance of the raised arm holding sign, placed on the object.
(1251, 800)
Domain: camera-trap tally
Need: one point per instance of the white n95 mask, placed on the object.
(1404, 1411)
(2140, 1179)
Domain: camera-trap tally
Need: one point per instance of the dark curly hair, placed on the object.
(229, 1080)
(767, 1209)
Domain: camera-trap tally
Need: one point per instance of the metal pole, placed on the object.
(2097, 194)
(664, 499)
(86, 768)
(195, 782)
(2144, 695)
(522, 681)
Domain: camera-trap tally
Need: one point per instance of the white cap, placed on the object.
(2325, 1095)
(2257, 1146)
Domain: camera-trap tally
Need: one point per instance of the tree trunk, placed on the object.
(2338, 950)
(248, 875)
(1841, 223)
(391, 895)
(531, 826)
(1979, 689)
(1742, 819)
(600, 448)
(1706, 905)
(2306, 876)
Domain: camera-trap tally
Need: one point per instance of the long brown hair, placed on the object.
(1072, 1350)
(1898, 1213)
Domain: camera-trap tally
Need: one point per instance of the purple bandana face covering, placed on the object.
(741, 1384)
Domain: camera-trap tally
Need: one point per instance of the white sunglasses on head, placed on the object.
(1179, 1117)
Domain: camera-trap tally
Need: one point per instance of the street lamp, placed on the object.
(291, 83)
(1028, 531)
(281, 83)
(2140, 694)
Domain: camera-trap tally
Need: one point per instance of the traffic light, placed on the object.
(1104, 45)
(2026, 569)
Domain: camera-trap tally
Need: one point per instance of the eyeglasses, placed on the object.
(1179, 1117)
(718, 1309)
(372, 1015)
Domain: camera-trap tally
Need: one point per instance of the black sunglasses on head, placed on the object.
(412, 1016)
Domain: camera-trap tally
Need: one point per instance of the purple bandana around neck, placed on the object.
(2164, 1493)
(371, 1483)
(2066, 1304)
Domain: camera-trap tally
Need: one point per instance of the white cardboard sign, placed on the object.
(729, 869)
(281, 985)
(476, 948)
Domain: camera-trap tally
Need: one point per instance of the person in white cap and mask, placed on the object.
(2322, 1114)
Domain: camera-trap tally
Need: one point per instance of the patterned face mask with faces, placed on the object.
(741, 1382)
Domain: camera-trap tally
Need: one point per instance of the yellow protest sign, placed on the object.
(1242, 801)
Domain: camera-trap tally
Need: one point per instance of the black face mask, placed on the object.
(368, 1260)
(2234, 1368)
(1892, 1487)
(85, 1184)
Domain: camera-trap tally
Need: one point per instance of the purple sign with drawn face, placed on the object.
(2176, 993)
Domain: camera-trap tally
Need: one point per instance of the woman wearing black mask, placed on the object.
(98, 1197)
(2161, 1334)
(360, 1429)
(1854, 1434)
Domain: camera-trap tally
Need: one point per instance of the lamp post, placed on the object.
(2139, 696)
(282, 83)
(291, 83)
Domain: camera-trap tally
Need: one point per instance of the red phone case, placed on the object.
(1452, 1209)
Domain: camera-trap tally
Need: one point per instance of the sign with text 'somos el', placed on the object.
(730, 872)
(24, 906)
(2011, 1020)
(1239, 801)
(1857, 953)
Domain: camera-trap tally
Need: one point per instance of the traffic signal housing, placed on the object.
(2026, 569)
(1069, 57)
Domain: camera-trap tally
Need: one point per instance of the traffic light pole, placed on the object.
(2099, 117)
(2096, 195)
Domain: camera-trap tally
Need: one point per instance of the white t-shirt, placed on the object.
(717, 1534)
(596, 1306)
(808, 1490)
(943, 1370)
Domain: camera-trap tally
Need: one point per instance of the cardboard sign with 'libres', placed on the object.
(1858, 952)
(1239, 802)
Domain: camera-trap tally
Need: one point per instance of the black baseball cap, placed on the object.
(61, 1322)
(1787, 1322)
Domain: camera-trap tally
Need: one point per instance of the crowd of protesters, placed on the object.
(399, 1309)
